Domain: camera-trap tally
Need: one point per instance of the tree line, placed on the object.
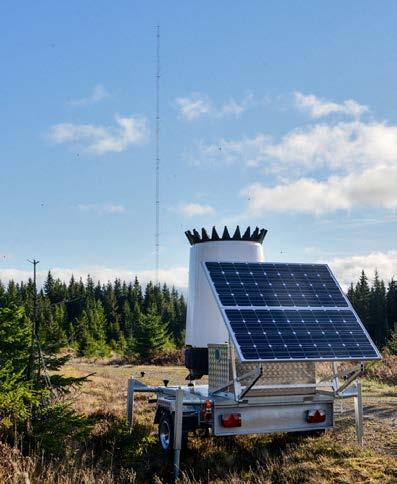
(95, 319)
(376, 305)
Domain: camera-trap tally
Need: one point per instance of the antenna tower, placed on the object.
(157, 165)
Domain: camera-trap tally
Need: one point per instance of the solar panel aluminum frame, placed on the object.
(223, 309)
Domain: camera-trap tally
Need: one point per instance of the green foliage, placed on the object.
(391, 306)
(91, 330)
(376, 306)
(57, 427)
(15, 330)
(16, 399)
(16, 394)
(95, 319)
(392, 343)
(25, 395)
(151, 335)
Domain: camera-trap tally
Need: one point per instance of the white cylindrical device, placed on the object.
(204, 322)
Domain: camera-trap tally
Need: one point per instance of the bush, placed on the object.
(391, 344)
(16, 402)
(57, 429)
(385, 370)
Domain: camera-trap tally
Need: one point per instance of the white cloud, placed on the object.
(342, 146)
(318, 108)
(177, 276)
(101, 207)
(194, 107)
(99, 93)
(199, 105)
(374, 187)
(324, 167)
(99, 139)
(195, 209)
(348, 269)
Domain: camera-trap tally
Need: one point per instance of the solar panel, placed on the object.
(288, 312)
(259, 284)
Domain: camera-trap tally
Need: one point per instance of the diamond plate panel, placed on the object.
(218, 366)
(283, 373)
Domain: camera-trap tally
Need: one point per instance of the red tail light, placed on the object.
(315, 416)
(206, 410)
(232, 420)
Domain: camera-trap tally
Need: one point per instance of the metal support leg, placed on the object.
(130, 402)
(236, 383)
(178, 418)
(358, 410)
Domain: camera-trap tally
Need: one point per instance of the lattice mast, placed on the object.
(157, 163)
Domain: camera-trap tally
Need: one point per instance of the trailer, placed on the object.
(263, 333)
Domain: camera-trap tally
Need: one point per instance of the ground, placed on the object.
(110, 453)
(333, 457)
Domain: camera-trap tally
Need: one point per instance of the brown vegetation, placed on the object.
(384, 371)
(112, 454)
(162, 358)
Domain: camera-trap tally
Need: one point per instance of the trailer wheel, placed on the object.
(166, 434)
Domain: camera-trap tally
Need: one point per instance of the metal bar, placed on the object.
(281, 386)
(236, 390)
(230, 382)
(295, 385)
(178, 419)
(358, 411)
(335, 380)
(252, 383)
(341, 374)
(223, 387)
(130, 402)
(349, 380)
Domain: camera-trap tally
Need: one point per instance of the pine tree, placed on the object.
(16, 396)
(362, 295)
(112, 314)
(151, 334)
(391, 306)
(15, 340)
(377, 311)
(136, 322)
(351, 294)
(52, 333)
(135, 294)
(91, 329)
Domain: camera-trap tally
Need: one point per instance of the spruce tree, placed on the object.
(377, 311)
(391, 306)
(351, 294)
(361, 296)
(91, 331)
(136, 322)
(151, 334)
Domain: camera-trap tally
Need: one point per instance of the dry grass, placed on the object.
(114, 455)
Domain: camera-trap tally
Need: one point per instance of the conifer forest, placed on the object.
(96, 319)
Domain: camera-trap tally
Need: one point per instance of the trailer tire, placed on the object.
(166, 434)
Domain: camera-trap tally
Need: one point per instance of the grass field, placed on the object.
(113, 454)
(275, 458)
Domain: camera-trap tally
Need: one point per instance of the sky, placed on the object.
(276, 114)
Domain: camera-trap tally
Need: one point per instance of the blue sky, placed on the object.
(281, 115)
